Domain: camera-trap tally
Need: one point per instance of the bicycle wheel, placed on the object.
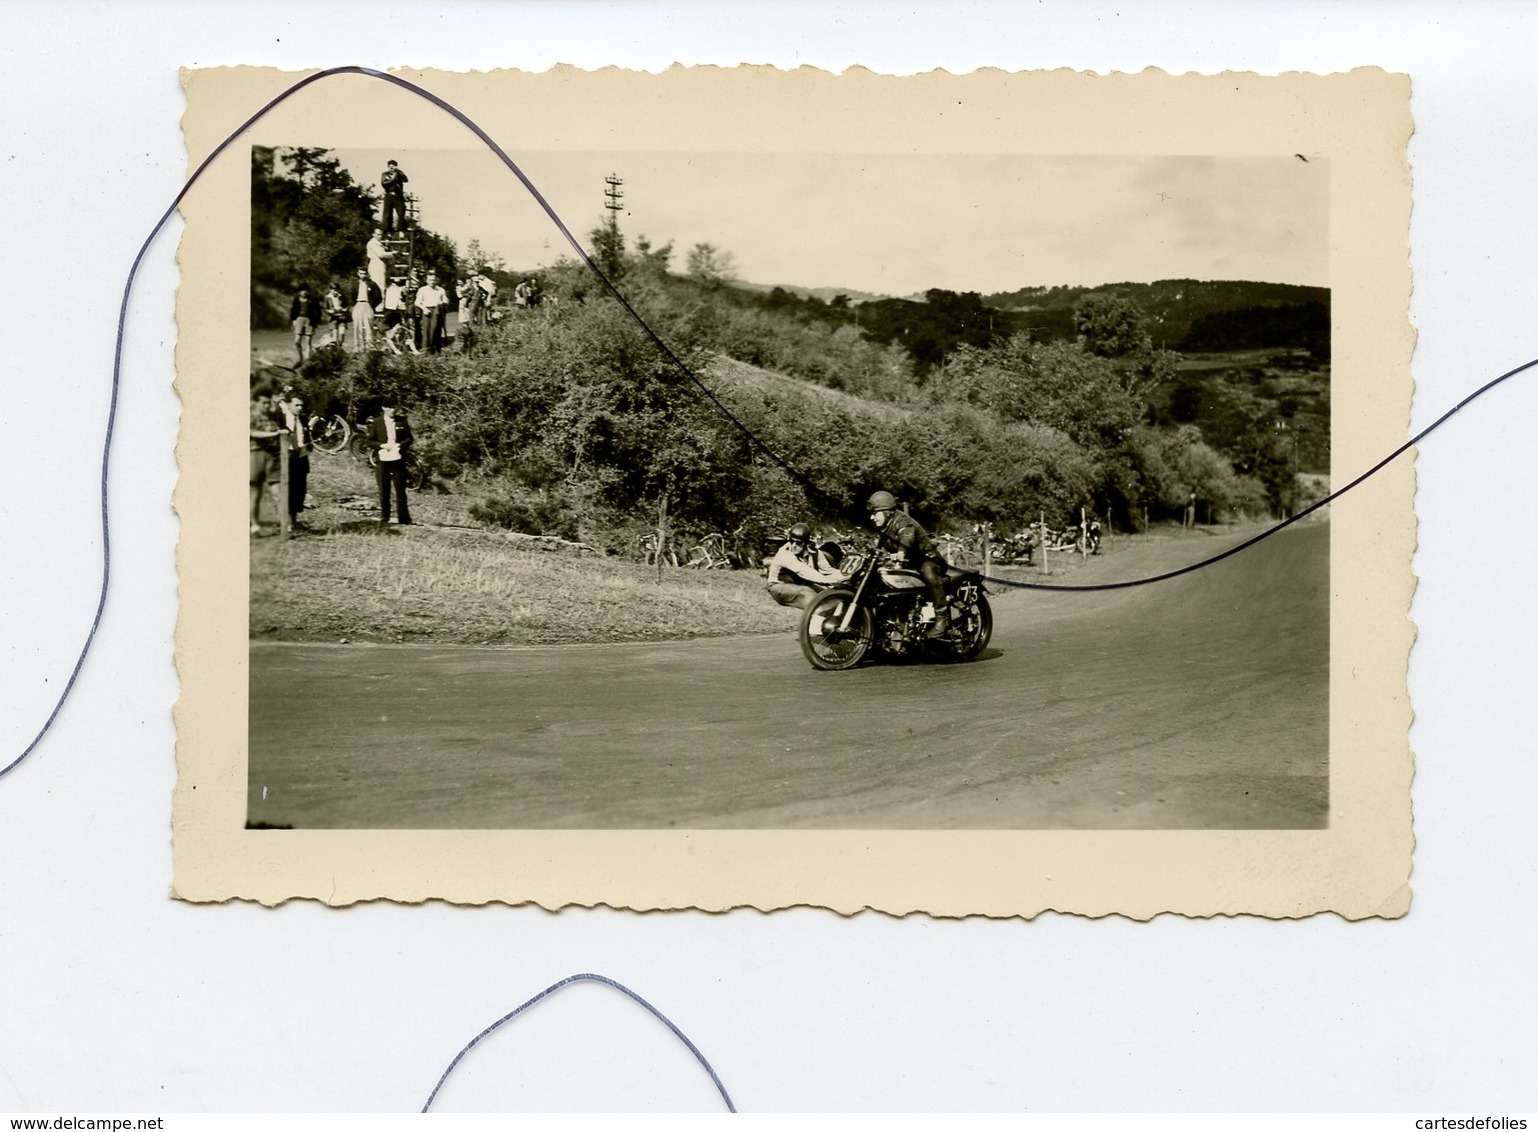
(698, 559)
(329, 434)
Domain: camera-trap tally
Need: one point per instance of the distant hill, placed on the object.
(1188, 314)
(826, 294)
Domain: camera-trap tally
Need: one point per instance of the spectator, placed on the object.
(469, 310)
(366, 300)
(523, 293)
(389, 441)
(795, 574)
(432, 301)
(413, 316)
(395, 316)
(393, 181)
(488, 296)
(377, 254)
(336, 315)
(293, 409)
(304, 314)
(266, 426)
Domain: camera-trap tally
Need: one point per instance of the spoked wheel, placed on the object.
(329, 434)
(972, 627)
(823, 643)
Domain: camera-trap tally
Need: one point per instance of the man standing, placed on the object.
(304, 314)
(469, 308)
(389, 440)
(488, 295)
(336, 315)
(393, 181)
(365, 301)
(266, 426)
(904, 536)
(298, 455)
(432, 301)
(794, 575)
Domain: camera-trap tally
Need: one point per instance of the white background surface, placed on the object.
(114, 997)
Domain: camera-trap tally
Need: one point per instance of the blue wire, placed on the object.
(566, 982)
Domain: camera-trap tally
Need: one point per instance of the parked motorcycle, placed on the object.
(888, 609)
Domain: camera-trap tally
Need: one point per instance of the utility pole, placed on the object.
(613, 201)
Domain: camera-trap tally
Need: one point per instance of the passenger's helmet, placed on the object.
(882, 501)
(800, 533)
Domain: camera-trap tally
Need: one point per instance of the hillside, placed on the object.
(729, 379)
(1189, 314)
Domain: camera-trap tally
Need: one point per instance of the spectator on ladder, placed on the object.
(365, 301)
(304, 314)
(377, 254)
(393, 181)
(432, 301)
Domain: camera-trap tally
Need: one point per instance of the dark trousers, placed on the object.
(432, 330)
(298, 482)
(392, 472)
(394, 212)
(932, 570)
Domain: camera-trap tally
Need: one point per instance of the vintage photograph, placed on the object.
(515, 565)
(791, 489)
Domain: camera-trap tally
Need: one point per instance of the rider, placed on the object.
(794, 573)
(903, 535)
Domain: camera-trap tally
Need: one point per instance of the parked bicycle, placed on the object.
(714, 551)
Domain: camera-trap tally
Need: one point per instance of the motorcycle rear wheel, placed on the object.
(822, 644)
(974, 637)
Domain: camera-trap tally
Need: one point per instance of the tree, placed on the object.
(1111, 326)
(649, 260)
(480, 259)
(711, 265)
(606, 245)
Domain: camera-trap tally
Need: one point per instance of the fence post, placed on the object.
(662, 532)
(1041, 543)
(987, 548)
(283, 516)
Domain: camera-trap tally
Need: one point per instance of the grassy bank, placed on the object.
(416, 585)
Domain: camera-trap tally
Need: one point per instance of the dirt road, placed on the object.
(1199, 703)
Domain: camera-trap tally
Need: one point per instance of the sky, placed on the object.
(898, 224)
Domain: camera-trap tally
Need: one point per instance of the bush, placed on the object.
(530, 517)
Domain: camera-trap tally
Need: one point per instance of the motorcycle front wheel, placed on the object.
(823, 644)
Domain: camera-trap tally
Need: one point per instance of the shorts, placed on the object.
(264, 467)
(302, 326)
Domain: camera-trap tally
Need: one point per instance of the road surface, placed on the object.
(1198, 703)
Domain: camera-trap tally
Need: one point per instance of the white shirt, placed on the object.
(788, 560)
(430, 296)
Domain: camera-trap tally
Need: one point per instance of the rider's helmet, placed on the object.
(882, 501)
(800, 533)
